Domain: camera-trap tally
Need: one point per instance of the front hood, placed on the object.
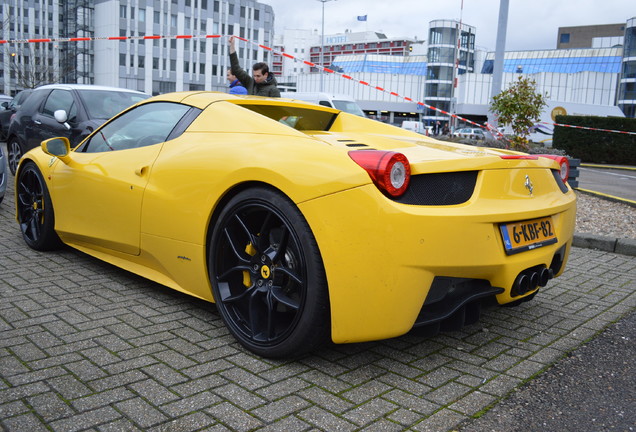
(428, 155)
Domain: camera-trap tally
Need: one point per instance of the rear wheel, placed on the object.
(35, 210)
(267, 275)
(14, 153)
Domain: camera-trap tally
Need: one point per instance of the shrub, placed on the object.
(594, 145)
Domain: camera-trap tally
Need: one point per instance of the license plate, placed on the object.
(527, 235)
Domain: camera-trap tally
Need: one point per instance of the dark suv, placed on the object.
(8, 109)
(69, 110)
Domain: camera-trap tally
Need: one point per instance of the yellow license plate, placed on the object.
(527, 235)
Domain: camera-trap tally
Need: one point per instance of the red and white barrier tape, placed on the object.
(590, 128)
(487, 127)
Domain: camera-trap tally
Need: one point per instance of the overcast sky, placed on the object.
(532, 24)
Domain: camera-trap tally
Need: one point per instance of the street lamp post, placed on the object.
(322, 46)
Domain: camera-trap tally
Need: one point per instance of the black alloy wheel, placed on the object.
(267, 275)
(14, 153)
(35, 210)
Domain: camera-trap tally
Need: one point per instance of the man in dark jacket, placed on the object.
(261, 83)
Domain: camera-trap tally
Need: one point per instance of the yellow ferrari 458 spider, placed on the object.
(302, 223)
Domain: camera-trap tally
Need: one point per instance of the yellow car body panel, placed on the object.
(153, 211)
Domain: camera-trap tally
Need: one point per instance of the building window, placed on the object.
(242, 11)
(565, 38)
(122, 11)
(157, 17)
(256, 15)
(122, 59)
(173, 20)
(142, 15)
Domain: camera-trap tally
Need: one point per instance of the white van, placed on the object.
(415, 126)
(341, 102)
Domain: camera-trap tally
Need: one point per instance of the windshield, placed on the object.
(104, 104)
(349, 106)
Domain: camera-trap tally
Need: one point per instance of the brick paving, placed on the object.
(87, 346)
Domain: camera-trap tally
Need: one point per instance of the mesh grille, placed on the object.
(440, 188)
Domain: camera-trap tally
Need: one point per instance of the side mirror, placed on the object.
(61, 116)
(58, 147)
(5, 105)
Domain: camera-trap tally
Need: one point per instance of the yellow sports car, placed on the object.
(301, 222)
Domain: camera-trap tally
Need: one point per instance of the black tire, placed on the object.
(35, 210)
(14, 153)
(267, 275)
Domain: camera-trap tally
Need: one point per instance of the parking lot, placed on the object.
(87, 346)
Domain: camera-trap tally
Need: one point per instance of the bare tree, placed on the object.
(32, 64)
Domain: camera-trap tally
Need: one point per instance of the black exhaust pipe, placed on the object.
(521, 285)
(531, 279)
(534, 280)
(544, 276)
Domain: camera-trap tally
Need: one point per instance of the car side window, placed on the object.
(142, 126)
(60, 100)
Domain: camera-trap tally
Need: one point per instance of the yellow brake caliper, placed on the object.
(251, 251)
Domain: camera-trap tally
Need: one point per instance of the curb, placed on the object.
(607, 197)
(618, 167)
(623, 246)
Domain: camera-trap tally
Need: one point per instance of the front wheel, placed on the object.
(267, 275)
(35, 210)
(14, 153)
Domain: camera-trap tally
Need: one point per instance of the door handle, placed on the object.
(37, 122)
(141, 171)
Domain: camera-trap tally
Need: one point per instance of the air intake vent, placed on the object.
(440, 188)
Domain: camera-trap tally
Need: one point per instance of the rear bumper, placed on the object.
(382, 257)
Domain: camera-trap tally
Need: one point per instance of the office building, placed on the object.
(590, 36)
(627, 89)
(168, 63)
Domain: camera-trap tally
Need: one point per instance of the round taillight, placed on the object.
(390, 171)
(564, 166)
(565, 169)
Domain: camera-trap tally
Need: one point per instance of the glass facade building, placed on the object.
(627, 87)
(410, 65)
(451, 52)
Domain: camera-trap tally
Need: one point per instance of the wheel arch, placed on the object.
(220, 205)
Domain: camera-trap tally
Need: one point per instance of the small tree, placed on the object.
(520, 107)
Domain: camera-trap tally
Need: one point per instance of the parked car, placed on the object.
(69, 110)
(3, 174)
(5, 100)
(303, 223)
(470, 133)
(341, 102)
(7, 111)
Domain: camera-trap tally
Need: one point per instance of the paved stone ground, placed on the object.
(87, 346)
